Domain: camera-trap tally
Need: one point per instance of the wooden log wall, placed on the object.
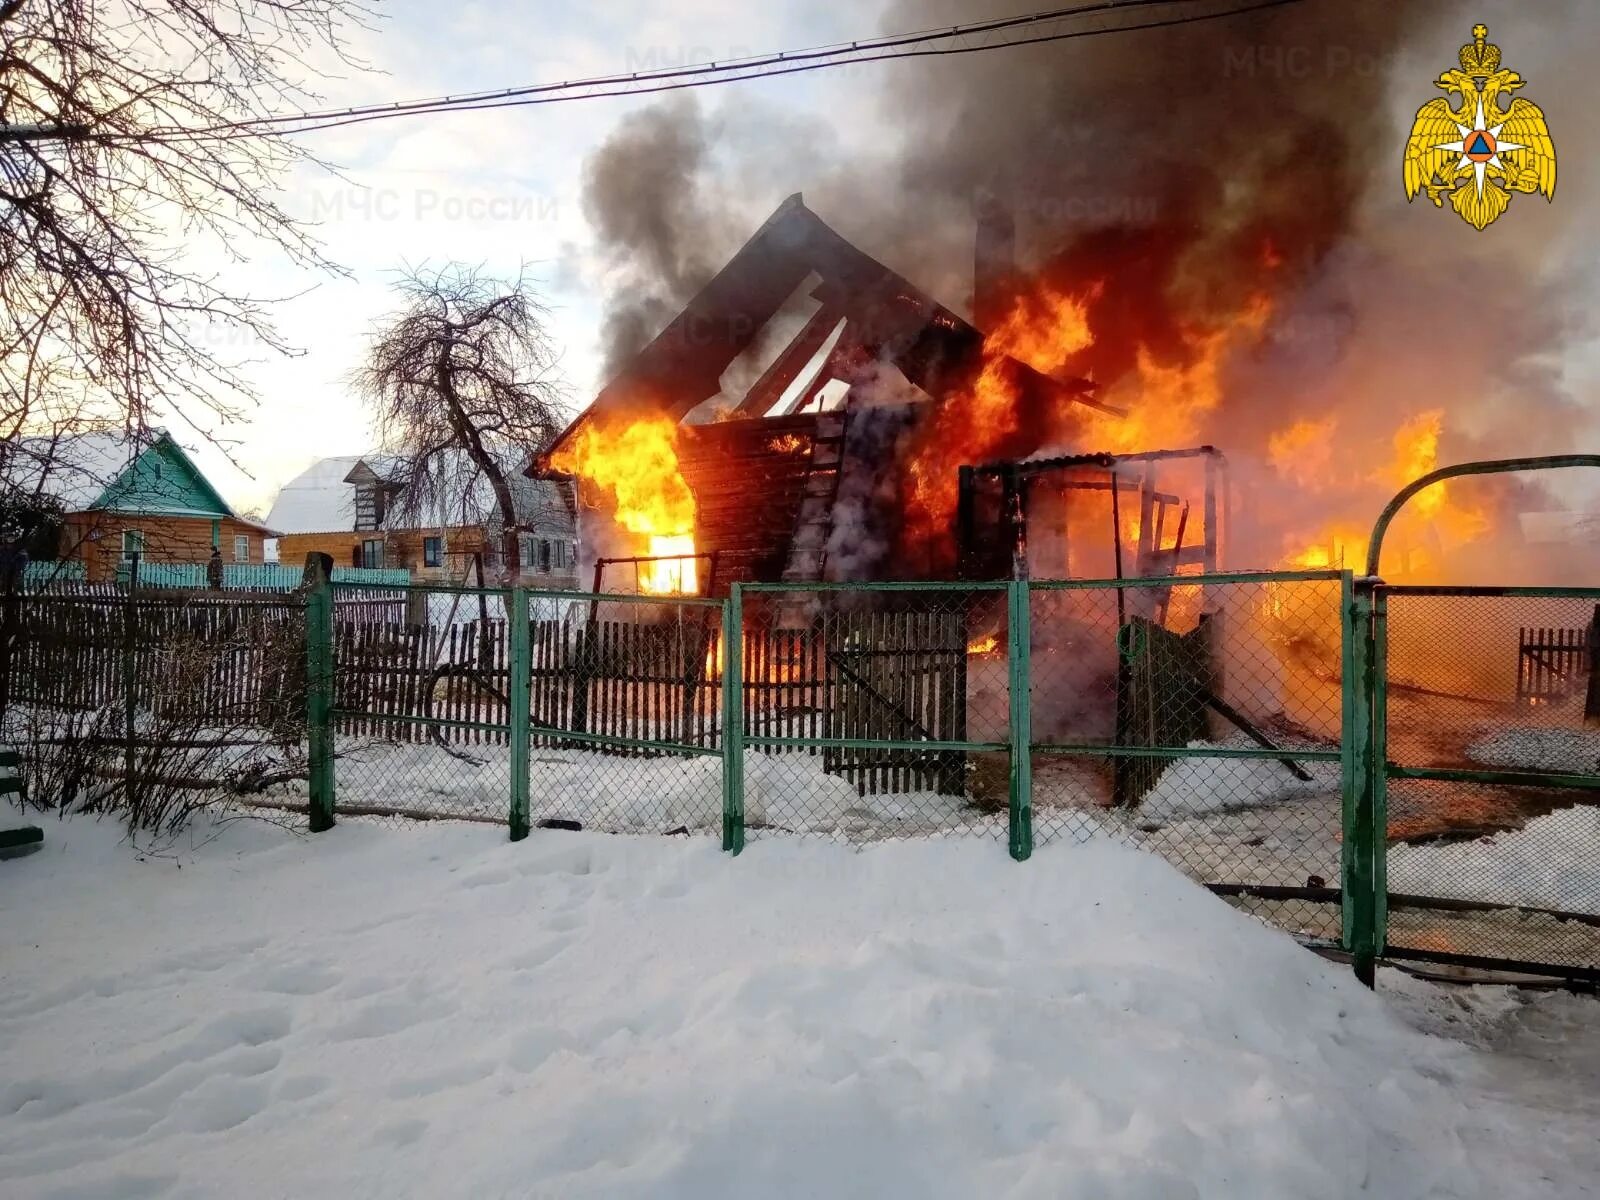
(748, 479)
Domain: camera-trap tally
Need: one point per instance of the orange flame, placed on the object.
(1045, 328)
(788, 443)
(636, 462)
(1302, 453)
(987, 644)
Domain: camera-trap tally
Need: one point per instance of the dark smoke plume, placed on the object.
(1184, 172)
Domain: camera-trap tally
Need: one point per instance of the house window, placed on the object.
(372, 553)
(527, 550)
(561, 556)
(432, 551)
(544, 557)
(132, 542)
(241, 547)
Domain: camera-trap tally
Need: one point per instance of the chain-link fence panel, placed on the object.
(626, 703)
(623, 709)
(1203, 720)
(875, 711)
(1491, 728)
(420, 720)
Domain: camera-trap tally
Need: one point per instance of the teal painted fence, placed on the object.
(255, 577)
(43, 574)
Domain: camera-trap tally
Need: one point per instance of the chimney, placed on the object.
(994, 264)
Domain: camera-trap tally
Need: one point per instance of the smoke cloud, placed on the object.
(1184, 174)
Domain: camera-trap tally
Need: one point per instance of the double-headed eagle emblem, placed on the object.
(1479, 154)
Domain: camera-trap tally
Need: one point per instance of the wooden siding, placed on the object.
(403, 549)
(748, 480)
(95, 539)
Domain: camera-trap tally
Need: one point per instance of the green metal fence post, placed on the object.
(1356, 918)
(319, 688)
(520, 716)
(733, 722)
(1379, 816)
(1018, 651)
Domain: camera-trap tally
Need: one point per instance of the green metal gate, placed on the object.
(1473, 818)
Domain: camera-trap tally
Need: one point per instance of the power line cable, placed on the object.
(897, 47)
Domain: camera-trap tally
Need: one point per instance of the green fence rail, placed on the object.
(1464, 794)
(1200, 718)
(254, 577)
(1395, 771)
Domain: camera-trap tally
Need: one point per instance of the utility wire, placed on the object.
(844, 52)
(643, 83)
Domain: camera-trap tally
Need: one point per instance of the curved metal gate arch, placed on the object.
(1454, 748)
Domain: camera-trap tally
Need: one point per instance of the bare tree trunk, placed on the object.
(472, 439)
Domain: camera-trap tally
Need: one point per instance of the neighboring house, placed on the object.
(118, 496)
(347, 508)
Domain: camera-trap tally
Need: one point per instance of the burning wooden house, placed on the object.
(857, 452)
(803, 476)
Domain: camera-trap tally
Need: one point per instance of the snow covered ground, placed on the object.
(1549, 863)
(431, 1011)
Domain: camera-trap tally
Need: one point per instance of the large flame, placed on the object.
(1167, 398)
(1170, 378)
(636, 462)
(1302, 453)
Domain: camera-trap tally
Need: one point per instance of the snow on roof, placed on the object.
(74, 469)
(321, 499)
(318, 500)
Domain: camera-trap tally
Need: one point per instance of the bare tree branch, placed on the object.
(104, 309)
(463, 384)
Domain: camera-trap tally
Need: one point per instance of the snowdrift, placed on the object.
(428, 1011)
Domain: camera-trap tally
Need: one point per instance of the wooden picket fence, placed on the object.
(621, 679)
(898, 676)
(1552, 664)
(652, 684)
(644, 684)
(237, 663)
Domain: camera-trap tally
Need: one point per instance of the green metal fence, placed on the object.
(1487, 782)
(525, 706)
(1206, 720)
(870, 711)
(1201, 718)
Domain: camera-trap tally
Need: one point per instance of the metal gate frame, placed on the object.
(1367, 898)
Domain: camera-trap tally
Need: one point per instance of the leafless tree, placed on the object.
(111, 194)
(463, 381)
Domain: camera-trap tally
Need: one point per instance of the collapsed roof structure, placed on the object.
(772, 472)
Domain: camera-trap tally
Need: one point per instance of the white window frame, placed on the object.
(132, 543)
(438, 558)
(241, 547)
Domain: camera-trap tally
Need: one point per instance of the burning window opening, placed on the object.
(673, 572)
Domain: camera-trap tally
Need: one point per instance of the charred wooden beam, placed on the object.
(782, 371)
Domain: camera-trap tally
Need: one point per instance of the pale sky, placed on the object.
(503, 188)
(499, 188)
